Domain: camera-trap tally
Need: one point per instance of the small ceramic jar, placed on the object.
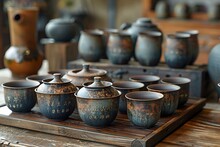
(98, 102)
(56, 97)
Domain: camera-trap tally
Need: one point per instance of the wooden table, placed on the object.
(202, 130)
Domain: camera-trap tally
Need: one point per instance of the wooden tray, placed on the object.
(121, 132)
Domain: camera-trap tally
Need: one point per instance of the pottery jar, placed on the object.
(148, 48)
(119, 48)
(214, 66)
(98, 102)
(23, 58)
(62, 29)
(177, 50)
(91, 45)
(56, 97)
(193, 45)
(80, 76)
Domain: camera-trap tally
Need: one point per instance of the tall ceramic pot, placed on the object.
(148, 48)
(177, 50)
(23, 58)
(214, 66)
(91, 45)
(193, 45)
(119, 48)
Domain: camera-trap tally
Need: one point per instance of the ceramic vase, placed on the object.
(148, 48)
(119, 48)
(214, 66)
(177, 50)
(23, 58)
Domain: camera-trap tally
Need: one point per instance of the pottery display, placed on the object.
(177, 50)
(144, 108)
(171, 97)
(62, 29)
(184, 84)
(98, 102)
(91, 45)
(23, 58)
(214, 66)
(56, 98)
(19, 95)
(148, 48)
(125, 87)
(80, 76)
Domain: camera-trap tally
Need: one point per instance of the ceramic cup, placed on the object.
(20, 95)
(171, 97)
(144, 108)
(125, 87)
(184, 84)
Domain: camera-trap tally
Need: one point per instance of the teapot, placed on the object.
(140, 25)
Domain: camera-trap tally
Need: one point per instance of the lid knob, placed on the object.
(57, 78)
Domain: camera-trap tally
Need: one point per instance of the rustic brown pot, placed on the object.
(23, 58)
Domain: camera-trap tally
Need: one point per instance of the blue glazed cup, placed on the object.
(20, 95)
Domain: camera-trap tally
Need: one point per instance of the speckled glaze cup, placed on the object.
(184, 84)
(171, 97)
(20, 95)
(125, 87)
(144, 108)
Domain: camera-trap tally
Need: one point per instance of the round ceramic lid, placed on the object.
(57, 85)
(87, 72)
(98, 90)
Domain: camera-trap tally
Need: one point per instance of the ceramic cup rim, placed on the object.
(144, 78)
(176, 80)
(149, 96)
(127, 85)
(14, 85)
(163, 88)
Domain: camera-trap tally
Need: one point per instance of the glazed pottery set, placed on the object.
(98, 100)
(141, 40)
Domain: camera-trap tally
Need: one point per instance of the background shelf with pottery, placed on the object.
(209, 30)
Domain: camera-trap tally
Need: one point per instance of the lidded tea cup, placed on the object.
(98, 102)
(56, 97)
